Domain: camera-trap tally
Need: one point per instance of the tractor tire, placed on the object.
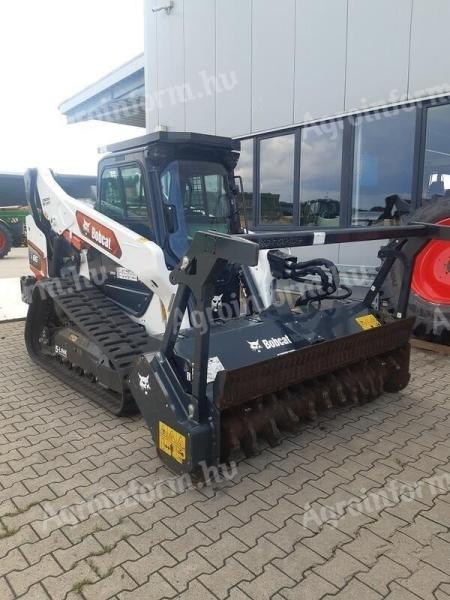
(6, 240)
(429, 301)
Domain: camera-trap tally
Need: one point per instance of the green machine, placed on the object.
(13, 210)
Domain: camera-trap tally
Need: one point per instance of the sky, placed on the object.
(49, 51)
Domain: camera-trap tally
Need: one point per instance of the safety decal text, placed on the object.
(368, 322)
(172, 443)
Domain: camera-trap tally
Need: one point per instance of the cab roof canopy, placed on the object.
(178, 138)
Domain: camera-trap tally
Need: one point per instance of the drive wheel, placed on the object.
(429, 301)
(6, 240)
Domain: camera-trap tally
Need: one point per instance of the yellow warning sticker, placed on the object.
(368, 322)
(172, 443)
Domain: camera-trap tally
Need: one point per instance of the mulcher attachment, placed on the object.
(221, 386)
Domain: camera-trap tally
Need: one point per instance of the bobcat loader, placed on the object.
(156, 300)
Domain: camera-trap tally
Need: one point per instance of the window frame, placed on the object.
(424, 109)
(257, 180)
(133, 164)
(343, 190)
(254, 213)
(144, 184)
(111, 167)
(351, 157)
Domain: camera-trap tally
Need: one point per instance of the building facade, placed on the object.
(339, 104)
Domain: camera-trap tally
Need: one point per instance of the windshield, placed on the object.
(199, 190)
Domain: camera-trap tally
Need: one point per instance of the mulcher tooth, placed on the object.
(234, 430)
(360, 391)
(249, 442)
(393, 365)
(369, 380)
(338, 394)
(323, 396)
(350, 386)
(363, 390)
(277, 416)
(306, 402)
(290, 421)
(377, 371)
(284, 416)
(293, 406)
(271, 433)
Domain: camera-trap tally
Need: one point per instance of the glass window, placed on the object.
(204, 194)
(110, 194)
(166, 182)
(244, 169)
(436, 174)
(277, 179)
(383, 162)
(135, 199)
(320, 175)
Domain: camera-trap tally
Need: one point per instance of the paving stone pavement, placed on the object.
(356, 505)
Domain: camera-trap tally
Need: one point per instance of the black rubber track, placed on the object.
(99, 319)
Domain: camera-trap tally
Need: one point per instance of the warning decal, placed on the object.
(368, 322)
(172, 443)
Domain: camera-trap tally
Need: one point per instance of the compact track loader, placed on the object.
(156, 300)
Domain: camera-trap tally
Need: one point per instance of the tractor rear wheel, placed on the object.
(429, 301)
(6, 240)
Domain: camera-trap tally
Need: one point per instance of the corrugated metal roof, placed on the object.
(119, 97)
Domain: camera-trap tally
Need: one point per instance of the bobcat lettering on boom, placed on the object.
(103, 240)
(99, 234)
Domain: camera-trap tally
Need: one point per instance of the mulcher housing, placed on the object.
(218, 388)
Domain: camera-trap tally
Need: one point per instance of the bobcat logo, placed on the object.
(255, 346)
(216, 303)
(144, 384)
(86, 227)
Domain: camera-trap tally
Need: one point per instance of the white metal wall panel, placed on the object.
(430, 56)
(377, 51)
(234, 66)
(200, 65)
(151, 68)
(273, 37)
(320, 56)
(171, 75)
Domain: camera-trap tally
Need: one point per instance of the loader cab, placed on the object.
(185, 184)
(167, 186)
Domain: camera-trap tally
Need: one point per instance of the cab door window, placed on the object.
(111, 198)
(134, 191)
(123, 198)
